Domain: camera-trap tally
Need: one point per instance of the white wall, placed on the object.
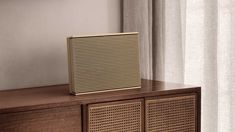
(33, 37)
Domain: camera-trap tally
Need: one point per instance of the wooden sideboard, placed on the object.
(157, 106)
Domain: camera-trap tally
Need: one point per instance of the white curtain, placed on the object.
(192, 42)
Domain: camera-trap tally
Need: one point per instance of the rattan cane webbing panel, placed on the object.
(173, 114)
(119, 117)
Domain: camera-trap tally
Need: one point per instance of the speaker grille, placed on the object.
(173, 114)
(99, 63)
(119, 117)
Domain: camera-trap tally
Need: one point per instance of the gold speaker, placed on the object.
(120, 116)
(171, 114)
(103, 63)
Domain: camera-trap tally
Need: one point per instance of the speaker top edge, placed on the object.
(101, 35)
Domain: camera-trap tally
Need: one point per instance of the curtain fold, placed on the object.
(137, 17)
(226, 64)
(192, 42)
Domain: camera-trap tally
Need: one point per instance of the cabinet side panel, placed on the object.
(61, 119)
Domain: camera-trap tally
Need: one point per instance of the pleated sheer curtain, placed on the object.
(192, 42)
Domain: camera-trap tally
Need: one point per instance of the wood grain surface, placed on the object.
(58, 95)
(53, 109)
(61, 119)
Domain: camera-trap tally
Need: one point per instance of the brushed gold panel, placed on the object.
(171, 114)
(107, 62)
(120, 116)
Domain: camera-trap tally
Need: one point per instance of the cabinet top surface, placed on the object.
(53, 96)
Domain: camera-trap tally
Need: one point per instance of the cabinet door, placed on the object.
(59, 119)
(119, 116)
(171, 114)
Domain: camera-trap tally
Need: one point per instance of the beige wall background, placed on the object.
(33, 35)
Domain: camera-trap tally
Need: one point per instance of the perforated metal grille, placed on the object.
(121, 117)
(99, 63)
(173, 114)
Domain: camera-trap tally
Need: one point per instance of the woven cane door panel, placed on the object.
(173, 114)
(121, 116)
